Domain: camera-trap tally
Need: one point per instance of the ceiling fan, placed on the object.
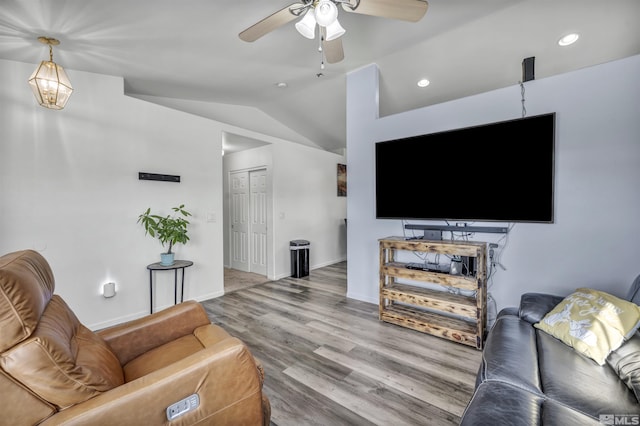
(324, 13)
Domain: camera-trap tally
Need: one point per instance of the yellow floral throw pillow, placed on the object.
(592, 322)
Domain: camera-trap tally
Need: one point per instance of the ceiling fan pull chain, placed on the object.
(320, 40)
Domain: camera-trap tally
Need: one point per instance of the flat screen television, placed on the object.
(502, 171)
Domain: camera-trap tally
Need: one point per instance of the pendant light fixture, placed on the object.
(49, 81)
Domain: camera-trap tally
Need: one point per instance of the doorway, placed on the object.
(248, 220)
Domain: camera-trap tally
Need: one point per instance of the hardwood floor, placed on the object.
(328, 360)
(235, 280)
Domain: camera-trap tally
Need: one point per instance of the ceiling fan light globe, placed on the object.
(326, 13)
(335, 30)
(307, 25)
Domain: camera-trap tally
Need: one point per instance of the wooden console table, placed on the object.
(178, 264)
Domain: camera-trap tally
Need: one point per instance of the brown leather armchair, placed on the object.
(54, 370)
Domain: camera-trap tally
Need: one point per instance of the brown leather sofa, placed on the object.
(55, 371)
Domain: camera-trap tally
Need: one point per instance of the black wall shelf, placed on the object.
(159, 177)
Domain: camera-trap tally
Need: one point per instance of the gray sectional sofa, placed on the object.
(528, 377)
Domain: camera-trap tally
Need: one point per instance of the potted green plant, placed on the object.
(170, 229)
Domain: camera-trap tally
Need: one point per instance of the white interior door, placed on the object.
(258, 221)
(239, 223)
(248, 224)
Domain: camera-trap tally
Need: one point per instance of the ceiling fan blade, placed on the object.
(404, 10)
(333, 51)
(270, 23)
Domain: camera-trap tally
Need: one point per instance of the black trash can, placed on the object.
(299, 258)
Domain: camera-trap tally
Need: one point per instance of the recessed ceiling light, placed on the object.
(568, 39)
(281, 85)
(423, 83)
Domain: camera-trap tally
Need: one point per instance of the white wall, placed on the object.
(594, 240)
(307, 207)
(69, 188)
(303, 203)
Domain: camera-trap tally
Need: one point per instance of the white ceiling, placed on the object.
(189, 51)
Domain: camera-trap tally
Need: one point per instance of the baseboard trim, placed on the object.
(117, 320)
(311, 268)
(363, 298)
(213, 295)
(131, 317)
(331, 262)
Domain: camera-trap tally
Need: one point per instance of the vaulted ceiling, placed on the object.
(187, 54)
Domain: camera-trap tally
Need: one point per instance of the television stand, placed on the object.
(457, 311)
